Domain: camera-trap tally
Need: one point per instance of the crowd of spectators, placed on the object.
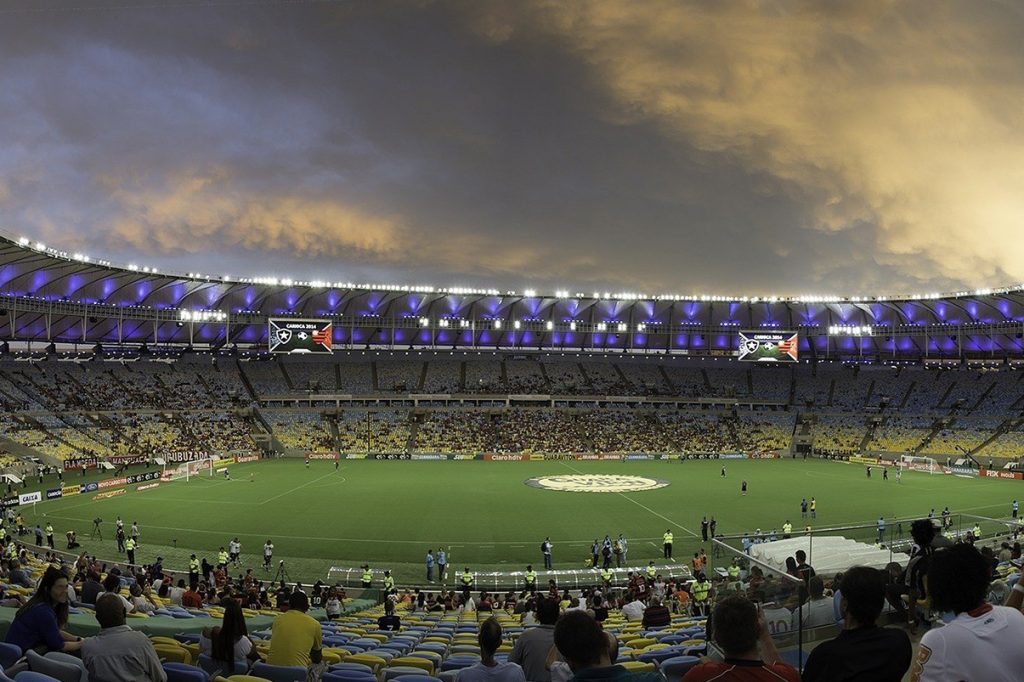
(901, 434)
(300, 430)
(839, 433)
(455, 432)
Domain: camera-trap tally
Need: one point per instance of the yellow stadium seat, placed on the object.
(424, 664)
(637, 666)
(193, 650)
(375, 662)
(173, 654)
(641, 642)
(160, 639)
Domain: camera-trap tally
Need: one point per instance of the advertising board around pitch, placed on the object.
(300, 336)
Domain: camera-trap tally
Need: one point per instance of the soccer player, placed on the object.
(235, 548)
(723, 471)
(268, 554)
(803, 508)
(885, 474)
(869, 472)
(743, 488)
(227, 474)
(814, 508)
(1014, 508)
(307, 461)
(899, 474)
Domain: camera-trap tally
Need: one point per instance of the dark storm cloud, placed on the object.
(753, 147)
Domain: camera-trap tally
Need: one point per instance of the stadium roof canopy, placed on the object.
(51, 295)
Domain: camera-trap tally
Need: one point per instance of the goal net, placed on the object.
(915, 463)
(186, 470)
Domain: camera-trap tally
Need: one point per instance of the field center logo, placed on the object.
(596, 483)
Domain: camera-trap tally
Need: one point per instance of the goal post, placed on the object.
(188, 470)
(917, 463)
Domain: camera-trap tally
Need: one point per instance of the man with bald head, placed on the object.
(118, 653)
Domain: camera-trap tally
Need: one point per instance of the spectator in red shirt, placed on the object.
(656, 615)
(191, 598)
(739, 628)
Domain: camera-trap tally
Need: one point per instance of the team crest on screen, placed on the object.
(596, 483)
(284, 335)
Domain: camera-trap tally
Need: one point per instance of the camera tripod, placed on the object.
(282, 573)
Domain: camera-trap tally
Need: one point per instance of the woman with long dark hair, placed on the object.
(229, 642)
(41, 621)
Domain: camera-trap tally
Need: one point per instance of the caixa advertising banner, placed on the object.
(29, 498)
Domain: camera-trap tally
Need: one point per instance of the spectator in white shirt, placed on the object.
(634, 610)
(818, 611)
(982, 642)
(112, 585)
(488, 669)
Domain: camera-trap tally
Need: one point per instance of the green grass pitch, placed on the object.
(388, 513)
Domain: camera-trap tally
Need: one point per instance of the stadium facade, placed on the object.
(51, 296)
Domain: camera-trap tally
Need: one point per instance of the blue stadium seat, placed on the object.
(180, 672)
(30, 676)
(279, 673)
(674, 668)
(9, 653)
(62, 670)
(400, 671)
(660, 655)
(458, 662)
(213, 667)
(347, 676)
(795, 658)
(351, 667)
(417, 678)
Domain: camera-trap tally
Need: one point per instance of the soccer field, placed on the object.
(484, 513)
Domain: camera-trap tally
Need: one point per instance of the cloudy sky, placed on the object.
(736, 146)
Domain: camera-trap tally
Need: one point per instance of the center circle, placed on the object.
(596, 483)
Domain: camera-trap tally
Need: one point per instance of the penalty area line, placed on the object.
(296, 488)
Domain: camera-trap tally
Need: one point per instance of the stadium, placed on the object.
(470, 422)
(514, 378)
